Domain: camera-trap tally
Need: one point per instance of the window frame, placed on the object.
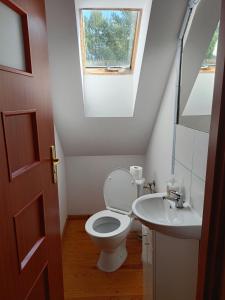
(114, 70)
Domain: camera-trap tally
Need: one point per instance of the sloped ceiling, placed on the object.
(109, 136)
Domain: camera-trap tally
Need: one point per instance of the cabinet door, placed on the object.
(148, 260)
(176, 268)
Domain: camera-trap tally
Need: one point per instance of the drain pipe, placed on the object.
(191, 8)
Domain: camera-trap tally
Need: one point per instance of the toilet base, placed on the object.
(110, 261)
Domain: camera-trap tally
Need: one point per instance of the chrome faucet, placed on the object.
(176, 197)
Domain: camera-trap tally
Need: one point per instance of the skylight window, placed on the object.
(109, 39)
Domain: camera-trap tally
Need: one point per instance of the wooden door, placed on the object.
(30, 246)
(211, 272)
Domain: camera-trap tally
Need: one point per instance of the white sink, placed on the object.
(162, 215)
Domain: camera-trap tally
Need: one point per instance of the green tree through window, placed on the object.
(109, 37)
(210, 59)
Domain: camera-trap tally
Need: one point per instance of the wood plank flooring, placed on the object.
(83, 280)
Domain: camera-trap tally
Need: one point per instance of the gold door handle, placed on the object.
(55, 162)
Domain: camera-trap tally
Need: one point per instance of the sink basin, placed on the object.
(162, 215)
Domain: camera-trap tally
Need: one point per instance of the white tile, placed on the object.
(197, 194)
(184, 145)
(200, 154)
(183, 175)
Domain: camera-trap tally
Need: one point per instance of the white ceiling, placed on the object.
(109, 136)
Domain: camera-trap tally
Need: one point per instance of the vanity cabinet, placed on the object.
(148, 262)
(170, 266)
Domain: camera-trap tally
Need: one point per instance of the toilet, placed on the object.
(110, 227)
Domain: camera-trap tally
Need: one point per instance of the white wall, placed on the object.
(108, 96)
(86, 176)
(190, 164)
(62, 189)
(200, 100)
(158, 160)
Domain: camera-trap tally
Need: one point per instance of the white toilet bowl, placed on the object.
(109, 228)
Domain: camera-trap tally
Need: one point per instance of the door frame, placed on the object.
(211, 271)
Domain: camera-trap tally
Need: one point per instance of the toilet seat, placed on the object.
(124, 220)
(120, 191)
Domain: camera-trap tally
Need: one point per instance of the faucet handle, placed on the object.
(175, 193)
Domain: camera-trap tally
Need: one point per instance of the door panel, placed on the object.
(29, 238)
(21, 126)
(40, 290)
(30, 254)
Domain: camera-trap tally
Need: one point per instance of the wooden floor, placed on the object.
(83, 280)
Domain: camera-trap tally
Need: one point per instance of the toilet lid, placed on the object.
(120, 191)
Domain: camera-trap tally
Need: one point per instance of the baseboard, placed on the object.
(73, 217)
(64, 228)
(78, 217)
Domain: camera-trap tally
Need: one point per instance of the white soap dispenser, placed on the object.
(172, 185)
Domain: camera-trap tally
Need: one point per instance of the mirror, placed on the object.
(198, 65)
